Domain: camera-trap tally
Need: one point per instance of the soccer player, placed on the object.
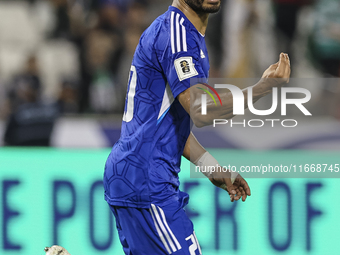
(141, 173)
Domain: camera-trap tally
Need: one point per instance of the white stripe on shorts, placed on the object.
(160, 233)
(167, 226)
(165, 233)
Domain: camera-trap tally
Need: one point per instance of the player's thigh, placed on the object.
(122, 237)
(177, 229)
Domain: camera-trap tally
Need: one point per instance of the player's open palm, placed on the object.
(236, 190)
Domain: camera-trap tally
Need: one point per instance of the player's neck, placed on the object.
(199, 20)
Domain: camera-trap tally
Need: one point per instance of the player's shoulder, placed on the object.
(171, 32)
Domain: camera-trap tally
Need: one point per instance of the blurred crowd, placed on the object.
(73, 56)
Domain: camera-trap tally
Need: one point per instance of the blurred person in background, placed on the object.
(106, 32)
(70, 19)
(62, 27)
(238, 42)
(136, 23)
(325, 52)
(68, 97)
(326, 36)
(108, 48)
(286, 14)
(102, 50)
(29, 120)
(215, 43)
(25, 87)
(3, 101)
(101, 56)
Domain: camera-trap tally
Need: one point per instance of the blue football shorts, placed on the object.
(157, 230)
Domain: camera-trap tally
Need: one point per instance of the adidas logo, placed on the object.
(202, 54)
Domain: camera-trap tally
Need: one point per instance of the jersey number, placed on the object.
(193, 247)
(128, 114)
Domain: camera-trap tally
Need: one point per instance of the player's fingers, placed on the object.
(245, 186)
(229, 186)
(288, 69)
(241, 191)
(280, 71)
(244, 195)
(272, 68)
(231, 195)
(281, 66)
(238, 194)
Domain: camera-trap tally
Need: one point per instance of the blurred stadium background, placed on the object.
(63, 75)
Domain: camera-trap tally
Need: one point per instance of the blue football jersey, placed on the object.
(143, 165)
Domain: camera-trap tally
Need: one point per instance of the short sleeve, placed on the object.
(180, 67)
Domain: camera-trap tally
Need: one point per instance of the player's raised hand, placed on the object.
(236, 190)
(278, 74)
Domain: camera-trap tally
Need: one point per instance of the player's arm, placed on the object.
(233, 183)
(193, 150)
(275, 76)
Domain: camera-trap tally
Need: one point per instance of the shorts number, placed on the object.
(128, 115)
(195, 244)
